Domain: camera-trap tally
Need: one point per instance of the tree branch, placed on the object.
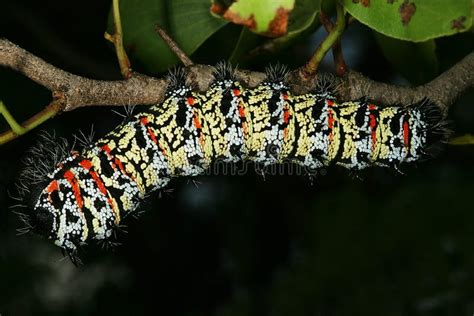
(74, 91)
(443, 90)
(71, 91)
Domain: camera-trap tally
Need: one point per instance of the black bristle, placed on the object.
(276, 73)
(85, 140)
(437, 129)
(41, 160)
(224, 71)
(326, 84)
(176, 79)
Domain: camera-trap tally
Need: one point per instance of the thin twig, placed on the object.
(310, 69)
(16, 128)
(174, 46)
(39, 118)
(117, 40)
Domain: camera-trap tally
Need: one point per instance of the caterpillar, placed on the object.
(86, 194)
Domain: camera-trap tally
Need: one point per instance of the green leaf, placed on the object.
(246, 42)
(266, 17)
(188, 22)
(413, 20)
(417, 62)
(303, 15)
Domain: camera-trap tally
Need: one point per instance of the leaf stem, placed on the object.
(117, 40)
(311, 68)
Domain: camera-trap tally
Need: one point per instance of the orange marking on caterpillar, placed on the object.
(53, 186)
(144, 120)
(69, 176)
(331, 120)
(152, 135)
(373, 125)
(197, 121)
(190, 101)
(102, 189)
(242, 117)
(286, 119)
(197, 124)
(373, 129)
(88, 165)
(119, 164)
(286, 115)
(241, 111)
(406, 134)
(106, 148)
(202, 141)
(236, 92)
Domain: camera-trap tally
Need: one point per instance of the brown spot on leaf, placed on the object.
(279, 23)
(217, 9)
(237, 19)
(355, 1)
(220, 6)
(458, 24)
(407, 10)
(391, 1)
(276, 27)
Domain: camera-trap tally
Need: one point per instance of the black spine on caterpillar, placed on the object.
(85, 195)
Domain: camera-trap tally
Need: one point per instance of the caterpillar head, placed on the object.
(58, 192)
(57, 212)
(70, 207)
(52, 212)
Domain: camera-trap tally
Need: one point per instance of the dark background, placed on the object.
(378, 244)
